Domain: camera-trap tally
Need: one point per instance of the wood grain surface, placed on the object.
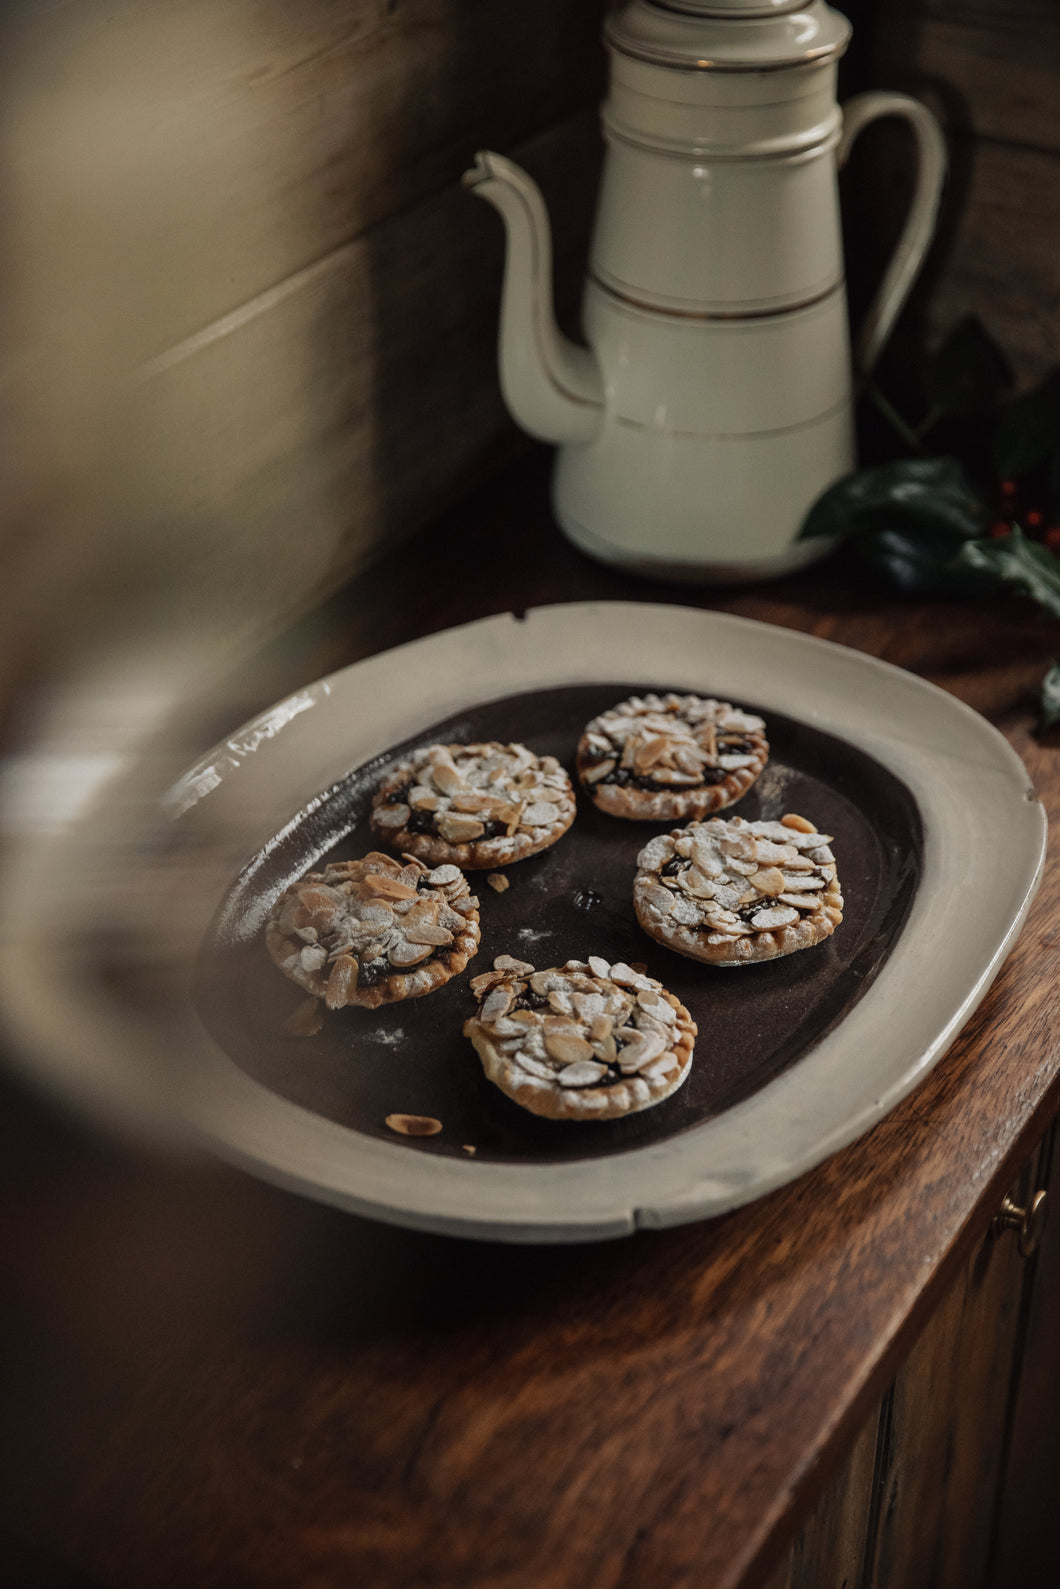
(989, 71)
(213, 1382)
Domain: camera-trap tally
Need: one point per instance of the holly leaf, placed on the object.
(1049, 698)
(1024, 567)
(908, 519)
(920, 563)
(966, 374)
(1028, 431)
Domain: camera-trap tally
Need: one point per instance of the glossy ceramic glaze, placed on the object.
(967, 783)
(713, 404)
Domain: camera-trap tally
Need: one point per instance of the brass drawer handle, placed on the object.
(1028, 1223)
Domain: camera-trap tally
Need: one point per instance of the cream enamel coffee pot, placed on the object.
(714, 402)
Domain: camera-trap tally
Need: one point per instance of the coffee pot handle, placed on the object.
(920, 222)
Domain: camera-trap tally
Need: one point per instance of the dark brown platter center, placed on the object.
(566, 903)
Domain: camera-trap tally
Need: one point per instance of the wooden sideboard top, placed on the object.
(214, 1382)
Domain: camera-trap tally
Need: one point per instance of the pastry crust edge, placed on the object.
(563, 1101)
(476, 855)
(671, 805)
(393, 989)
(765, 944)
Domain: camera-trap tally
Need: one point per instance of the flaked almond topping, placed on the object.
(541, 814)
(441, 875)
(487, 979)
(768, 881)
(395, 817)
(674, 776)
(305, 1021)
(414, 1125)
(800, 824)
(706, 735)
(387, 887)
(446, 778)
(508, 963)
(802, 882)
(640, 1050)
(582, 1073)
(498, 1000)
(473, 800)
(506, 789)
(372, 913)
(567, 1046)
(428, 932)
(649, 749)
(456, 828)
(669, 739)
(774, 917)
(596, 1030)
(740, 875)
(498, 882)
(690, 759)
(626, 977)
(600, 1028)
(770, 854)
(341, 982)
(404, 953)
(319, 897)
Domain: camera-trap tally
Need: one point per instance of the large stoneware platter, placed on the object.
(939, 844)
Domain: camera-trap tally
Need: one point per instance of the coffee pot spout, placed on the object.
(553, 388)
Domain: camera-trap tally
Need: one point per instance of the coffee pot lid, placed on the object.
(727, 35)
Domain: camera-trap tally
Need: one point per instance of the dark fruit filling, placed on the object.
(424, 821)
(539, 1001)
(626, 778)
(376, 971)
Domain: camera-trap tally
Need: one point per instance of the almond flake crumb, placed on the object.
(469, 1147)
(498, 882)
(414, 1125)
(305, 1021)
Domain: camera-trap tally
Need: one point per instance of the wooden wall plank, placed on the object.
(916, 1501)
(1028, 1535)
(991, 69)
(829, 1551)
(263, 203)
(284, 452)
(1003, 255)
(991, 72)
(997, 253)
(950, 1405)
(239, 144)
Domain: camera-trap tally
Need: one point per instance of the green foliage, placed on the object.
(1016, 564)
(966, 375)
(908, 520)
(1050, 697)
(1028, 432)
(921, 522)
